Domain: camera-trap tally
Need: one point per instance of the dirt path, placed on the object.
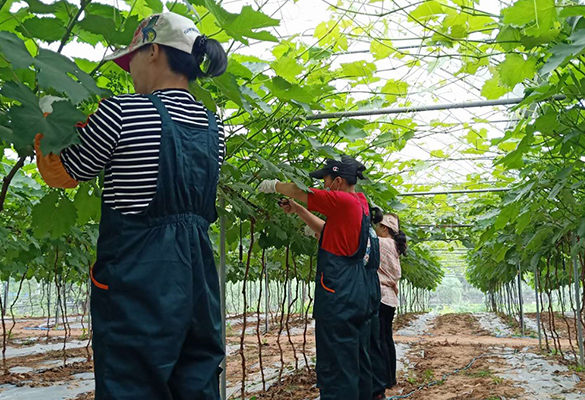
(443, 357)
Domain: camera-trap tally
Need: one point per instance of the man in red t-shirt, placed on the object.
(341, 292)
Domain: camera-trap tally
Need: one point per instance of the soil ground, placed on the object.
(455, 359)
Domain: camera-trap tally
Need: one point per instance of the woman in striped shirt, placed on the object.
(155, 298)
(392, 246)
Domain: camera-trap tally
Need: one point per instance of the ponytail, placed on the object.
(376, 215)
(401, 242)
(207, 59)
(210, 54)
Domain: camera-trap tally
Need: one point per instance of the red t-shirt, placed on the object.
(344, 213)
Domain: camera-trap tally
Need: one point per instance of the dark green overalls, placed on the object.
(155, 301)
(341, 311)
(378, 371)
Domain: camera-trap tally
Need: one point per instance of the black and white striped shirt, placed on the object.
(123, 137)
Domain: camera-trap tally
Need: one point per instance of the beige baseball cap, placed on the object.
(168, 29)
(391, 221)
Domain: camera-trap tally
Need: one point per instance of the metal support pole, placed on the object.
(520, 299)
(536, 286)
(490, 190)
(222, 272)
(578, 303)
(430, 107)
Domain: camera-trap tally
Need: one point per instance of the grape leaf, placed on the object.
(287, 91)
(287, 68)
(108, 30)
(243, 24)
(46, 29)
(537, 16)
(14, 50)
(563, 52)
(203, 95)
(426, 11)
(394, 89)
(492, 89)
(381, 48)
(54, 72)
(53, 216)
(572, 11)
(28, 120)
(88, 205)
(229, 86)
(515, 69)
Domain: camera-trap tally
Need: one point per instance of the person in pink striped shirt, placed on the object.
(392, 246)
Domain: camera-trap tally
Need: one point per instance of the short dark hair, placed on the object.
(206, 60)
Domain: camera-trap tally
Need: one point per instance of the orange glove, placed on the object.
(51, 168)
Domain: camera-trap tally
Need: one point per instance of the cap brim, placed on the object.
(122, 58)
(319, 174)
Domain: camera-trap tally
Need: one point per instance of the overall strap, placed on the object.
(162, 110)
(212, 122)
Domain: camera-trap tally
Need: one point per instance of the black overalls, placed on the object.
(378, 363)
(341, 311)
(156, 301)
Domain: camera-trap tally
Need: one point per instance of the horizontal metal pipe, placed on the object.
(431, 107)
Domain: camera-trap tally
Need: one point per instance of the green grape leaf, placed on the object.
(508, 37)
(394, 89)
(54, 216)
(54, 72)
(229, 87)
(426, 11)
(46, 29)
(381, 49)
(537, 16)
(155, 5)
(572, 11)
(38, 7)
(58, 127)
(88, 205)
(358, 69)
(15, 50)
(287, 68)
(562, 53)
(515, 69)
(492, 89)
(203, 95)
(352, 130)
(20, 93)
(243, 24)
(287, 91)
(107, 29)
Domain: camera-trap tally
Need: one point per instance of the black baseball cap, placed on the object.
(347, 167)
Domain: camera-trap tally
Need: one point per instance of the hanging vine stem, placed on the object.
(21, 284)
(307, 314)
(562, 301)
(551, 315)
(8, 178)
(4, 335)
(263, 261)
(48, 309)
(60, 304)
(290, 307)
(281, 326)
(541, 309)
(243, 334)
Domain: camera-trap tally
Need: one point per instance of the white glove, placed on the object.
(309, 231)
(268, 186)
(46, 103)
